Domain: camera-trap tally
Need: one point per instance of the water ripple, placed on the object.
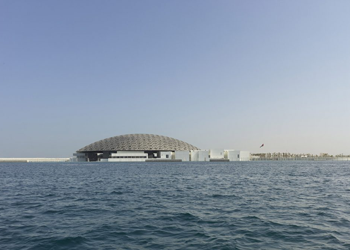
(241, 205)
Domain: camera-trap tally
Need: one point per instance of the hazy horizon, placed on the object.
(215, 74)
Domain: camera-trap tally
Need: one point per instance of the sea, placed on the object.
(175, 205)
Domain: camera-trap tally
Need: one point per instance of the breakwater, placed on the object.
(34, 159)
(300, 158)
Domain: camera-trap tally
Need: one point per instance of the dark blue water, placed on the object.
(242, 205)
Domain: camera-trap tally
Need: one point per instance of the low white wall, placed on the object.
(129, 153)
(34, 159)
(126, 159)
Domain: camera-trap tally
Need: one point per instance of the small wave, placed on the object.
(77, 242)
(138, 232)
(67, 241)
(116, 192)
(261, 206)
(187, 217)
(223, 195)
(179, 217)
(52, 211)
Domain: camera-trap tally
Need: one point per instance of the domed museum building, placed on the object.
(135, 147)
(148, 147)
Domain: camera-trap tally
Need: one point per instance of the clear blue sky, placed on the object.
(216, 74)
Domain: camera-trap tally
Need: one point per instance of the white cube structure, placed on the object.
(200, 155)
(237, 155)
(217, 154)
(244, 156)
(232, 155)
(182, 155)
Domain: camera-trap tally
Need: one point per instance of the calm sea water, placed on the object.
(237, 205)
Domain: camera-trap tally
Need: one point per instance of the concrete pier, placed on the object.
(34, 159)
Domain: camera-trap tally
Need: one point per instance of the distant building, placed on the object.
(200, 155)
(217, 154)
(148, 147)
(237, 155)
(135, 147)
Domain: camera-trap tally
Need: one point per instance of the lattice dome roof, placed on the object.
(142, 142)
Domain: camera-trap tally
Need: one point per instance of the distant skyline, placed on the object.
(216, 74)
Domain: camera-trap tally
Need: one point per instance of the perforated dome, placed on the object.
(142, 142)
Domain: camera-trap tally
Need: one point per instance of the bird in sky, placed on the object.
(262, 145)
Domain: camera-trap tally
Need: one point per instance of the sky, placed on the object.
(216, 74)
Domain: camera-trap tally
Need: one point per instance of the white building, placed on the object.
(148, 147)
(237, 155)
(200, 155)
(182, 155)
(217, 154)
